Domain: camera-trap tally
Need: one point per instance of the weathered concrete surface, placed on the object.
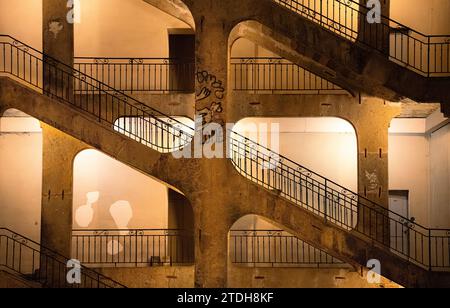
(12, 281)
(245, 277)
(152, 277)
(59, 151)
(351, 66)
(170, 104)
(218, 194)
(175, 8)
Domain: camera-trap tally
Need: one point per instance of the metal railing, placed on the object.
(84, 93)
(336, 204)
(133, 248)
(277, 75)
(276, 248)
(263, 74)
(429, 248)
(30, 260)
(140, 74)
(428, 55)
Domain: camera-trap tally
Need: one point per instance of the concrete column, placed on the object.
(58, 43)
(59, 150)
(213, 212)
(212, 218)
(373, 176)
(211, 63)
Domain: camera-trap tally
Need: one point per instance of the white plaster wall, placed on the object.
(440, 178)
(408, 170)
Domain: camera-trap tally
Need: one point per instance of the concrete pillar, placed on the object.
(373, 176)
(212, 221)
(211, 65)
(212, 224)
(58, 43)
(59, 151)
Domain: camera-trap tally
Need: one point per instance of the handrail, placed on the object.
(133, 247)
(339, 205)
(276, 248)
(149, 111)
(277, 75)
(428, 55)
(40, 253)
(298, 184)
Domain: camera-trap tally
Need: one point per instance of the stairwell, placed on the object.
(308, 205)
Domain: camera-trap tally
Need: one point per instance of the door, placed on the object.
(399, 221)
(182, 55)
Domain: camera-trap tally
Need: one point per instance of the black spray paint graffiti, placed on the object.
(211, 87)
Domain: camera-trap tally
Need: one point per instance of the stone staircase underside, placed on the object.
(351, 66)
(251, 199)
(12, 280)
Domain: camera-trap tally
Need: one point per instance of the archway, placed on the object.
(21, 175)
(125, 218)
(313, 162)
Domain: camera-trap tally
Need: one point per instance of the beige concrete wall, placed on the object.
(22, 19)
(242, 277)
(117, 28)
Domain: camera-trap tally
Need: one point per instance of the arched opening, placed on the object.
(160, 133)
(312, 162)
(261, 64)
(21, 173)
(123, 218)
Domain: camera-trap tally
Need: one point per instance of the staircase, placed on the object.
(333, 40)
(145, 133)
(25, 263)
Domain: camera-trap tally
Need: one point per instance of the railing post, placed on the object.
(429, 58)
(429, 250)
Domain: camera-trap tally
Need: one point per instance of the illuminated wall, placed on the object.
(20, 173)
(110, 195)
(117, 28)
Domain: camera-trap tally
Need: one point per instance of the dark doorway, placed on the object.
(182, 55)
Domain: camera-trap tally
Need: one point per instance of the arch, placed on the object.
(271, 158)
(175, 8)
(282, 45)
(152, 131)
(111, 206)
